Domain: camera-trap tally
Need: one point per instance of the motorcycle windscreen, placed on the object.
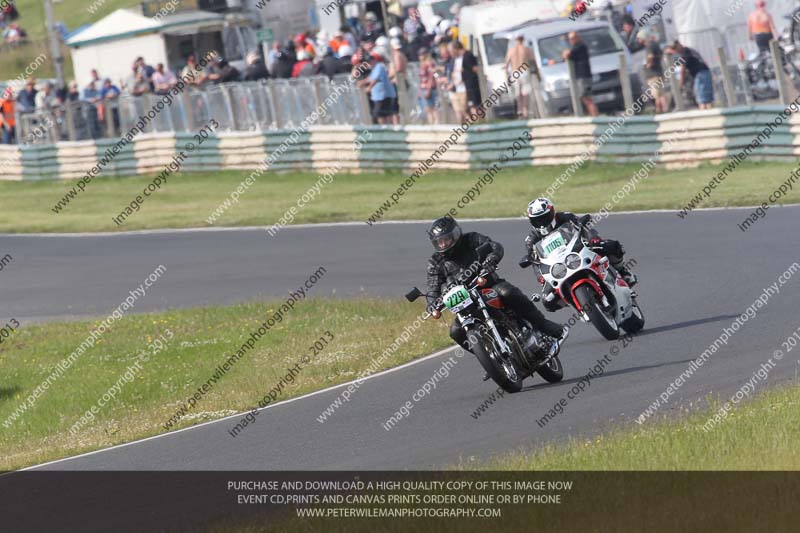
(554, 242)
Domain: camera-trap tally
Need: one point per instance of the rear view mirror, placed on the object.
(413, 294)
(585, 219)
(525, 262)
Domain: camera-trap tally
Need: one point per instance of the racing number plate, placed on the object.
(553, 242)
(457, 298)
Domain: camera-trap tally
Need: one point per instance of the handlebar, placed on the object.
(472, 284)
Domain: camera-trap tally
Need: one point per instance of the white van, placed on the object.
(479, 24)
(548, 39)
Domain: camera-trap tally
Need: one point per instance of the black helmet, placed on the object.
(444, 233)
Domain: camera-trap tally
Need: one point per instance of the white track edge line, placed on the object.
(284, 402)
(345, 224)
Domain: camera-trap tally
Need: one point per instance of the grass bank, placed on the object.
(201, 340)
(761, 434)
(189, 199)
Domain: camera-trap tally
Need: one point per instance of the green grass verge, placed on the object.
(73, 13)
(203, 339)
(189, 199)
(761, 434)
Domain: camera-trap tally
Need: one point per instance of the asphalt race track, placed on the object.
(696, 275)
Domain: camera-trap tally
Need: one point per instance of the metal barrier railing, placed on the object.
(274, 104)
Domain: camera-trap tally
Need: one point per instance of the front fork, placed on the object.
(489, 321)
(501, 343)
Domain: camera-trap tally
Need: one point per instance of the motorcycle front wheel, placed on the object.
(601, 320)
(502, 372)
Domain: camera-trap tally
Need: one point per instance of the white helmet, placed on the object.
(444, 25)
(345, 50)
(394, 31)
(382, 41)
(542, 215)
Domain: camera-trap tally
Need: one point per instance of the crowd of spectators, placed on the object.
(376, 58)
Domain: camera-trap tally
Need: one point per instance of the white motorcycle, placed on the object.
(586, 281)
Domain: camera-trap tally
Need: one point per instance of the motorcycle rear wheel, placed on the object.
(635, 322)
(553, 371)
(480, 346)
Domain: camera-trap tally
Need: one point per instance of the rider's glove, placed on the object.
(490, 265)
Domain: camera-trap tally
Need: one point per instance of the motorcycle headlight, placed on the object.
(559, 270)
(573, 261)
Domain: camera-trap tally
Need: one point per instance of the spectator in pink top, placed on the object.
(163, 79)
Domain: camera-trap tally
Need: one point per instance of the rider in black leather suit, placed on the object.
(456, 257)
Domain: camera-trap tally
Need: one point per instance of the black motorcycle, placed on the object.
(507, 346)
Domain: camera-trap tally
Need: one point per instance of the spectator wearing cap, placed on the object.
(653, 70)
(761, 26)
(427, 86)
(399, 60)
(520, 59)
(26, 99)
(382, 93)
(698, 69)
(345, 58)
(7, 118)
(578, 53)
(163, 79)
(372, 27)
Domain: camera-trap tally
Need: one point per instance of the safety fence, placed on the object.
(712, 135)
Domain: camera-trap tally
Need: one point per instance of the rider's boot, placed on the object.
(629, 277)
(555, 346)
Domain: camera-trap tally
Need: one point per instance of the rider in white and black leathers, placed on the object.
(544, 218)
(456, 256)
